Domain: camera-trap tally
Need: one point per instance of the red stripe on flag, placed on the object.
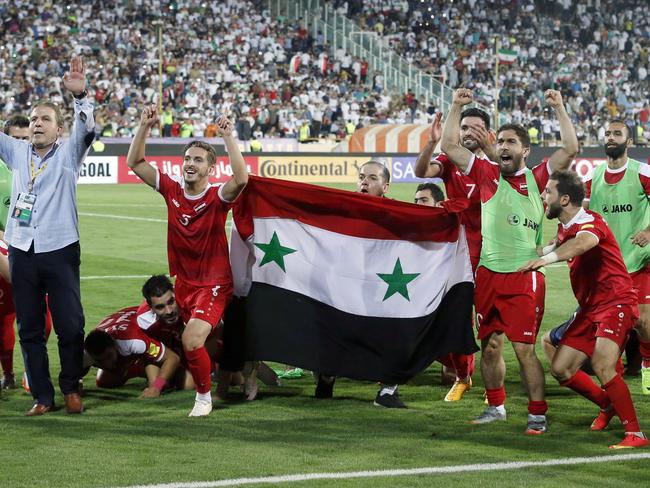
(344, 212)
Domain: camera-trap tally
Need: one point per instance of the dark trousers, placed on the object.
(55, 274)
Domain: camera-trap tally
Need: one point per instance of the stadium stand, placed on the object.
(272, 73)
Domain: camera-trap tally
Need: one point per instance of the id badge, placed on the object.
(24, 206)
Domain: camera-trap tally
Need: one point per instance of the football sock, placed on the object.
(619, 395)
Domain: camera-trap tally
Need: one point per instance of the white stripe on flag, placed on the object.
(342, 271)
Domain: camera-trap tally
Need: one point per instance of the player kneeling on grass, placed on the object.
(608, 305)
(122, 351)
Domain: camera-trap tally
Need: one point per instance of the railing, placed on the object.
(339, 32)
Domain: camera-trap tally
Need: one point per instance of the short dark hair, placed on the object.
(476, 112)
(212, 154)
(518, 129)
(58, 116)
(435, 190)
(19, 121)
(156, 286)
(97, 342)
(630, 133)
(384, 170)
(570, 184)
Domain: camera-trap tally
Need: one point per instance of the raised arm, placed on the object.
(561, 159)
(423, 166)
(83, 127)
(135, 159)
(450, 144)
(234, 186)
(580, 244)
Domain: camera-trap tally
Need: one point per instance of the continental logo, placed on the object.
(618, 208)
(314, 169)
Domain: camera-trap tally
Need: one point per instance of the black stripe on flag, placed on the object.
(291, 328)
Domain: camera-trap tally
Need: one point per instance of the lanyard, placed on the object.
(35, 174)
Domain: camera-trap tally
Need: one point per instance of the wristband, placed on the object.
(159, 383)
(550, 258)
(548, 249)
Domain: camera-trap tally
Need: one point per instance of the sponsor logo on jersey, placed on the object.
(154, 350)
(176, 204)
(199, 310)
(198, 208)
(530, 224)
(513, 219)
(618, 208)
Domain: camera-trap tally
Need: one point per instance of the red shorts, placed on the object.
(206, 303)
(512, 303)
(614, 323)
(641, 281)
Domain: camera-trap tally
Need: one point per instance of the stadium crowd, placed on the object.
(594, 51)
(271, 74)
(219, 57)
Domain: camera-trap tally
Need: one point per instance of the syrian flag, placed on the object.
(348, 284)
(507, 56)
(294, 63)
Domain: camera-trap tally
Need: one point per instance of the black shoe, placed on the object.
(8, 382)
(388, 400)
(325, 386)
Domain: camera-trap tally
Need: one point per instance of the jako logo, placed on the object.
(513, 219)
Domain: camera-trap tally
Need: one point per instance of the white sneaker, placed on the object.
(201, 409)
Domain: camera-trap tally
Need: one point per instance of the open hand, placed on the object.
(75, 79)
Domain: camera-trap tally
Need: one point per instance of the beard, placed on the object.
(553, 211)
(515, 164)
(470, 145)
(616, 151)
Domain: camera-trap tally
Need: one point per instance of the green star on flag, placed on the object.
(274, 251)
(397, 281)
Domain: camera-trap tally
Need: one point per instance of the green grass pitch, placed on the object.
(123, 441)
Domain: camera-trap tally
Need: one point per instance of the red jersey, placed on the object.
(168, 334)
(197, 246)
(6, 294)
(485, 174)
(613, 176)
(599, 277)
(459, 185)
(131, 341)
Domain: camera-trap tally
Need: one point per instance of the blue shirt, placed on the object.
(54, 223)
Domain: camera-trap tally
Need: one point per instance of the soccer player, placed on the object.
(607, 312)
(18, 128)
(197, 247)
(431, 195)
(159, 316)
(508, 302)
(459, 185)
(121, 349)
(619, 191)
(374, 180)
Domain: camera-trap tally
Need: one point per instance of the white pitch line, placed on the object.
(463, 468)
(115, 277)
(121, 217)
(128, 217)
